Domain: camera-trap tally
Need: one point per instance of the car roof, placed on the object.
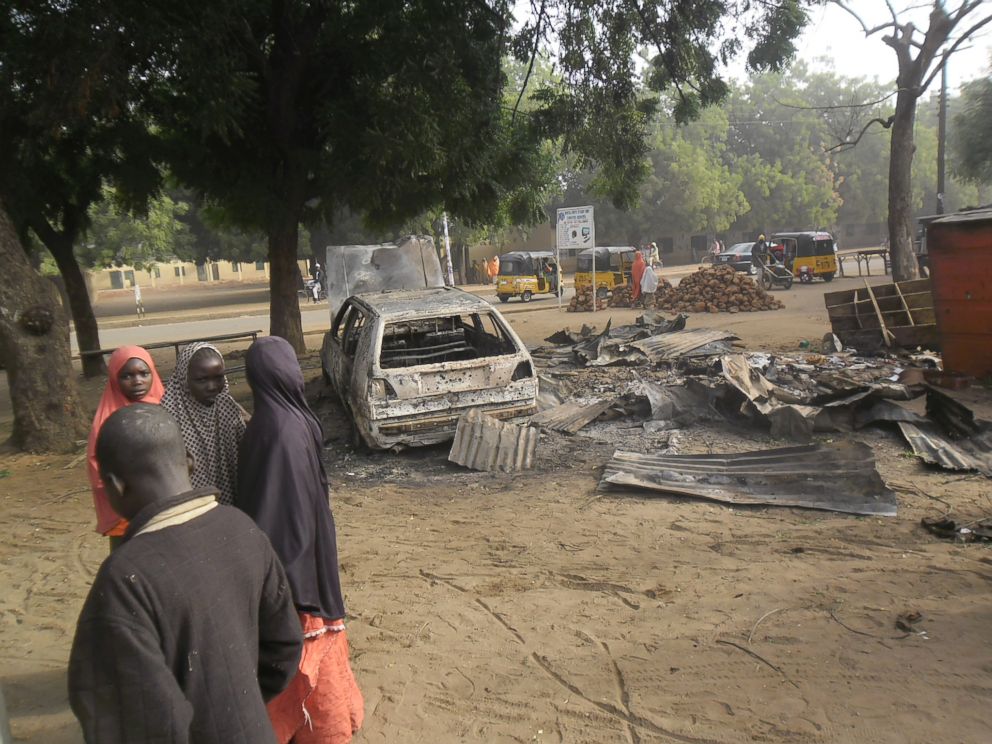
(815, 234)
(419, 303)
(603, 249)
(527, 254)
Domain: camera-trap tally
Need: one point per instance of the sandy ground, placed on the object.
(492, 608)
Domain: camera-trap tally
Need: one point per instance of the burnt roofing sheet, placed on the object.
(839, 477)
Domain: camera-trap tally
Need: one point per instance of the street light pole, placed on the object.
(941, 139)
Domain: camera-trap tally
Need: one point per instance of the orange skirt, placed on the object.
(323, 704)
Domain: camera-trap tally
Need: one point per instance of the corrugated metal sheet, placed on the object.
(569, 417)
(485, 443)
(933, 446)
(839, 477)
(678, 343)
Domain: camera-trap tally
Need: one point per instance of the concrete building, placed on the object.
(181, 273)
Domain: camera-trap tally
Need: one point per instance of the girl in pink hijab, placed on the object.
(131, 378)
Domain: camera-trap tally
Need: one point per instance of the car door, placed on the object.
(352, 389)
(336, 362)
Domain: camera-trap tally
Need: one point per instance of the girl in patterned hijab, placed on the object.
(211, 420)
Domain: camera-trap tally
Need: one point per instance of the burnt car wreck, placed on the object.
(407, 363)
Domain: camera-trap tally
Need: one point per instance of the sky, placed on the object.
(835, 34)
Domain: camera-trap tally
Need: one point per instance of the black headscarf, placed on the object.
(281, 480)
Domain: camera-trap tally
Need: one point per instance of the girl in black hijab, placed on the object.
(282, 485)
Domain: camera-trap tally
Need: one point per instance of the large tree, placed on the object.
(66, 125)
(286, 111)
(34, 342)
(921, 54)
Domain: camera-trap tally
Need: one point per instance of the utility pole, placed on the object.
(941, 139)
(447, 252)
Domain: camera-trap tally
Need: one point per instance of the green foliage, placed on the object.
(65, 122)
(117, 238)
(971, 142)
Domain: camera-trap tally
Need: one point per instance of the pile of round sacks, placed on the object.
(582, 301)
(716, 289)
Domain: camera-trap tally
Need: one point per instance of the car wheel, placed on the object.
(828, 277)
(602, 293)
(504, 298)
(788, 283)
(526, 296)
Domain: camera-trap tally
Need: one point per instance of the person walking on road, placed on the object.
(139, 306)
(759, 257)
(636, 274)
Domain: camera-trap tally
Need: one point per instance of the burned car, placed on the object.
(408, 363)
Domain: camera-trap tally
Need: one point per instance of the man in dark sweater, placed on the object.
(189, 627)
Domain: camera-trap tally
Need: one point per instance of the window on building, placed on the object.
(236, 267)
(129, 277)
(180, 270)
(260, 266)
(157, 272)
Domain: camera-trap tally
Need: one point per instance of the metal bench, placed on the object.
(253, 335)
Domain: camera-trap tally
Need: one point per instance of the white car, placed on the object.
(408, 363)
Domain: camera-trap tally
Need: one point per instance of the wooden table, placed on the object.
(864, 255)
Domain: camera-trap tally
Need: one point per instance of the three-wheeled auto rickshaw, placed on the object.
(808, 255)
(613, 268)
(524, 274)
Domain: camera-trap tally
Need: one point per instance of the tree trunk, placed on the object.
(284, 283)
(901, 152)
(87, 331)
(34, 341)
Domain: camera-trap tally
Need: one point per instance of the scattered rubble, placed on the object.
(717, 289)
(948, 529)
(651, 339)
(950, 436)
(569, 417)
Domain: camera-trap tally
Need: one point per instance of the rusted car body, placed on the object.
(408, 363)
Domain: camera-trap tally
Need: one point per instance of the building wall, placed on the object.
(183, 273)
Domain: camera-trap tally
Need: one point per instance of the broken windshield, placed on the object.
(452, 338)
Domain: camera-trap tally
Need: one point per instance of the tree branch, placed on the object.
(892, 11)
(867, 104)
(657, 43)
(530, 67)
(847, 145)
(864, 26)
(953, 48)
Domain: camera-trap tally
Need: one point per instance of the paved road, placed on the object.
(317, 319)
(120, 302)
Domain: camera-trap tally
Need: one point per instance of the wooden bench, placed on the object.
(253, 335)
